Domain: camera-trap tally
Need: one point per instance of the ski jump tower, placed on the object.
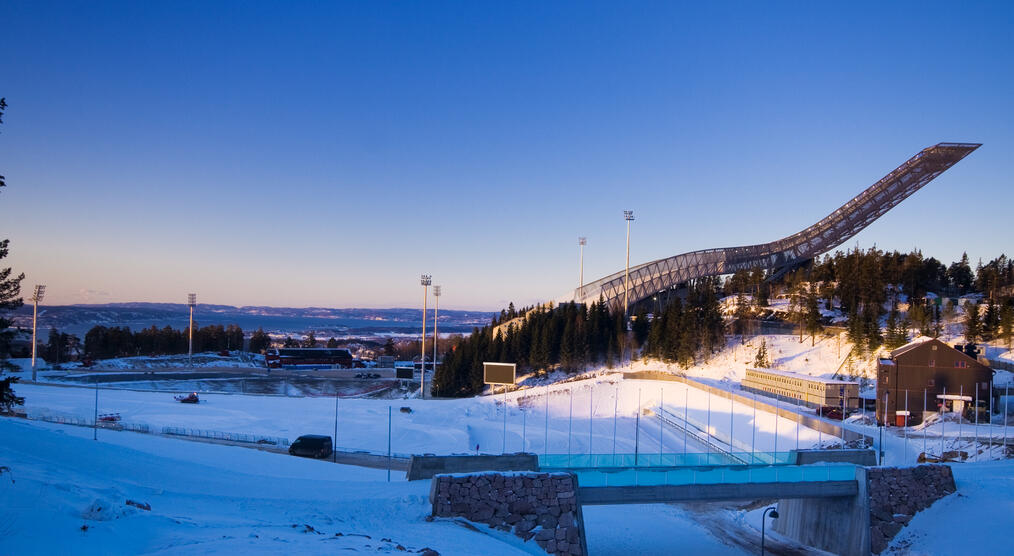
(649, 279)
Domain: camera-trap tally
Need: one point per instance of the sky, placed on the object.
(328, 153)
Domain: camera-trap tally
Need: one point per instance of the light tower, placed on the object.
(40, 290)
(425, 280)
(192, 302)
(628, 215)
(581, 242)
(436, 312)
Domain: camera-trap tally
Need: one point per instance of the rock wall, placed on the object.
(536, 506)
(897, 493)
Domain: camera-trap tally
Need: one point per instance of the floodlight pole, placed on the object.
(425, 280)
(628, 215)
(581, 242)
(436, 312)
(191, 301)
(40, 291)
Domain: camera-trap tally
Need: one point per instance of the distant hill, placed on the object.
(324, 321)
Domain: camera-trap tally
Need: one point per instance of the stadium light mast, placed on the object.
(581, 242)
(192, 302)
(425, 280)
(628, 215)
(40, 291)
(436, 311)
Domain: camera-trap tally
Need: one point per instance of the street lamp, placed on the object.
(581, 242)
(628, 215)
(774, 515)
(39, 292)
(425, 280)
(192, 302)
(436, 311)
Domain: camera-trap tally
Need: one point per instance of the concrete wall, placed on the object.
(536, 506)
(858, 457)
(837, 525)
(858, 526)
(425, 467)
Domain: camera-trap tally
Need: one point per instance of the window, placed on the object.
(961, 364)
(932, 362)
(931, 383)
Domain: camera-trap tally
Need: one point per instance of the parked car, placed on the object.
(189, 398)
(311, 446)
(830, 412)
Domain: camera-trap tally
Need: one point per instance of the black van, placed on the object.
(311, 446)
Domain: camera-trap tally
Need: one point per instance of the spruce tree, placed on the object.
(973, 324)
(10, 290)
(259, 341)
(1007, 324)
(761, 360)
(812, 316)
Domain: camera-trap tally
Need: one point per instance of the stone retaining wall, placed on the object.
(536, 506)
(897, 493)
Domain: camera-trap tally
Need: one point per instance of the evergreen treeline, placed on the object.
(866, 285)
(571, 337)
(567, 337)
(103, 342)
(685, 330)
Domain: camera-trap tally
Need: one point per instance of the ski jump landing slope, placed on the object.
(836, 228)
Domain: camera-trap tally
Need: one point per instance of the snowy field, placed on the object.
(66, 494)
(589, 416)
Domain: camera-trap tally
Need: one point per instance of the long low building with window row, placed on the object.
(802, 389)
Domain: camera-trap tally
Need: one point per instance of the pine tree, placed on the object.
(812, 316)
(991, 322)
(310, 340)
(1007, 324)
(741, 317)
(10, 288)
(389, 347)
(973, 324)
(960, 275)
(761, 360)
(259, 341)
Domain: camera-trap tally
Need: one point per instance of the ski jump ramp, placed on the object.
(836, 228)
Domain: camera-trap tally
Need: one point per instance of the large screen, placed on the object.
(498, 373)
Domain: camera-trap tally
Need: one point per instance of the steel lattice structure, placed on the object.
(836, 228)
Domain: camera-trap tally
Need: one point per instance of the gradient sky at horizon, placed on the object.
(327, 154)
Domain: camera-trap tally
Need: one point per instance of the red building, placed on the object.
(924, 370)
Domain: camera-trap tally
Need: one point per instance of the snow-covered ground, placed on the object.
(235, 359)
(580, 418)
(66, 494)
(972, 521)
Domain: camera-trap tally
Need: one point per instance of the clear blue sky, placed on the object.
(328, 153)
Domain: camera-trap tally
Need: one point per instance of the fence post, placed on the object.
(388, 443)
(616, 402)
(334, 453)
(570, 425)
(545, 448)
(637, 428)
(95, 423)
(686, 419)
(661, 423)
